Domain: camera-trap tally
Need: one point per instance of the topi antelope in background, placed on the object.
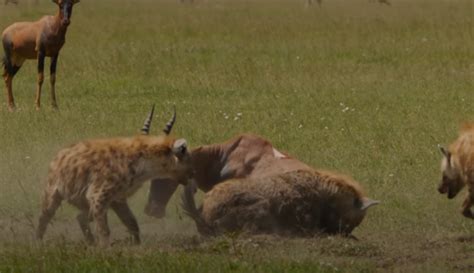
(95, 175)
(11, 1)
(35, 40)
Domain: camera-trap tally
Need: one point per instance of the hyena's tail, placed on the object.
(189, 206)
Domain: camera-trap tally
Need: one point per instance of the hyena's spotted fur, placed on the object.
(457, 167)
(301, 202)
(95, 175)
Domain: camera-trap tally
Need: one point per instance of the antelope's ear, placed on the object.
(180, 148)
(56, 1)
(367, 203)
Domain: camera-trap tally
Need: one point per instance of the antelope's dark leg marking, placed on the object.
(41, 56)
(54, 61)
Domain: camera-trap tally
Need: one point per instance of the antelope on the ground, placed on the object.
(244, 156)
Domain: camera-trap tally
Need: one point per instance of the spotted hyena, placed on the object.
(301, 202)
(457, 168)
(95, 175)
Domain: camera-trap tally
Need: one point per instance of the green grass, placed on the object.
(361, 88)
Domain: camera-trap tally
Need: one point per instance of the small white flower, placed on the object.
(300, 126)
(239, 114)
(27, 157)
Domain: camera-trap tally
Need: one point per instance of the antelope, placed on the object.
(244, 156)
(95, 175)
(15, 2)
(35, 40)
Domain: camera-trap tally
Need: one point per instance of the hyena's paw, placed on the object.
(468, 213)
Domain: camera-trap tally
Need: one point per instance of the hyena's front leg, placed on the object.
(128, 219)
(84, 219)
(51, 202)
(98, 210)
(466, 206)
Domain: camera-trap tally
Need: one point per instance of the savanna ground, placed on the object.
(362, 88)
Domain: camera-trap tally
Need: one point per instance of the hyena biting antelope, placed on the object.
(35, 40)
(95, 175)
(457, 168)
(300, 202)
(243, 156)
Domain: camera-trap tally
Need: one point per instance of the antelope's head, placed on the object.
(65, 10)
(451, 182)
(182, 166)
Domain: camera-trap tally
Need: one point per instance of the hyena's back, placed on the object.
(298, 202)
(73, 168)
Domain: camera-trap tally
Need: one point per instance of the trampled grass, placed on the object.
(365, 89)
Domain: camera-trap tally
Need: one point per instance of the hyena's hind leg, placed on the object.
(84, 220)
(128, 219)
(51, 202)
(98, 211)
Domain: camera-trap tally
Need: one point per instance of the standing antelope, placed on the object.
(35, 40)
(95, 175)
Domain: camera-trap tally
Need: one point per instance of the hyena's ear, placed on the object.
(180, 148)
(445, 153)
(367, 203)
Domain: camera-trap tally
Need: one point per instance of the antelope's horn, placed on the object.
(169, 125)
(146, 125)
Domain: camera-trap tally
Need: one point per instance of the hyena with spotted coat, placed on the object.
(95, 175)
(300, 202)
(457, 168)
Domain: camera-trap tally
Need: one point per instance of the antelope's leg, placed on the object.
(8, 82)
(9, 72)
(126, 216)
(41, 56)
(54, 61)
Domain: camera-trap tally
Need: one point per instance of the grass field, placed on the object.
(365, 89)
